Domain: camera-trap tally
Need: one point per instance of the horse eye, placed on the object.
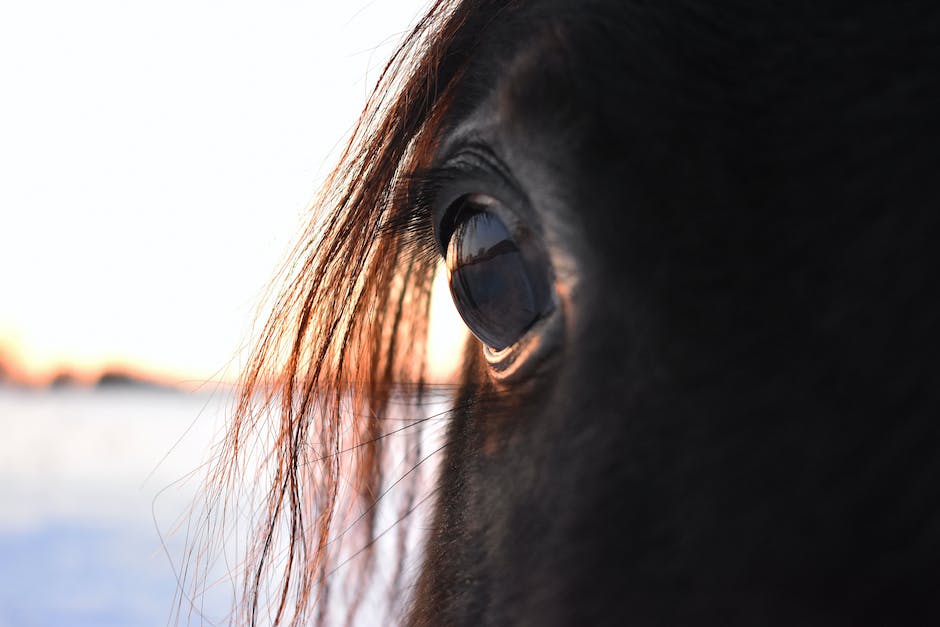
(499, 281)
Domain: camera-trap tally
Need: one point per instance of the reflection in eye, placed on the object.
(497, 290)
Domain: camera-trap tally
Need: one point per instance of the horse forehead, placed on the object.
(619, 71)
(674, 108)
(688, 145)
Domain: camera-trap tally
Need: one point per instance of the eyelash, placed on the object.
(414, 202)
(423, 192)
(473, 162)
(424, 186)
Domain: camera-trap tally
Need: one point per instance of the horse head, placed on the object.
(693, 243)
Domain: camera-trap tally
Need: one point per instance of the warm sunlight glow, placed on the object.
(157, 160)
(447, 335)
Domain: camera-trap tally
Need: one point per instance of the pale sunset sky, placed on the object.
(157, 160)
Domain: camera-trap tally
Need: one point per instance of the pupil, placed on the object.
(490, 281)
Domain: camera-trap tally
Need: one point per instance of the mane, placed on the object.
(347, 332)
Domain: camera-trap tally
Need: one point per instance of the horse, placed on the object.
(695, 244)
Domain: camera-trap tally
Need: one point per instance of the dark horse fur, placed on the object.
(741, 423)
(737, 422)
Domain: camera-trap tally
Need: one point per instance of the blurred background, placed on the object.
(157, 160)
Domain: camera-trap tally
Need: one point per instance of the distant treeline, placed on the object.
(108, 380)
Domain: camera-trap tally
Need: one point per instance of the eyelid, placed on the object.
(472, 169)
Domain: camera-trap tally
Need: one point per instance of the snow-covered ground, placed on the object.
(91, 485)
(95, 495)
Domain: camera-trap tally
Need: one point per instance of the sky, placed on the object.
(157, 160)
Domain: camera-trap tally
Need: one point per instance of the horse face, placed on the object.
(705, 389)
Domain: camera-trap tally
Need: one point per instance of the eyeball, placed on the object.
(499, 279)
